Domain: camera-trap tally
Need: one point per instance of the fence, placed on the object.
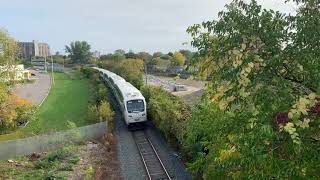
(46, 142)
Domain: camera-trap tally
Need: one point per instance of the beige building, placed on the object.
(32, 49)
(14, 73)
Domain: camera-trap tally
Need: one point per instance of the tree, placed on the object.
(120, 51)
(118, 57)
(188, 54)
(8, 55)
(157, 54)
(144, 56)
(106, 57)
(259, 109)
(178, 59)
(166, 57)
(131, 55)
(79, 52)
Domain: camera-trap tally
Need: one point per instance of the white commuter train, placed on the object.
(131, 101)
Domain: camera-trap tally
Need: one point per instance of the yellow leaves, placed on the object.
(222, 105)
(243, 46)
(302, 106)
(228, 153)
(236, 58)
(290, 128)
(179, 58)
(237, 62)
(244, 81)
(221, 90)
(312, 96)
(231, 137)
(105, 111)
(20, 102)
(304, 124)
(218, 97)
(250, 65)
(300, 67)
(243, 94)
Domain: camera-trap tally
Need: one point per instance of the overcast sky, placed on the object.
(138, 25)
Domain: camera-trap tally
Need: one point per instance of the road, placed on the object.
(37, 91)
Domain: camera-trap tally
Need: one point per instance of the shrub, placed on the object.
(13, 112)
(93, 113)
(105, 112)
(168, 112)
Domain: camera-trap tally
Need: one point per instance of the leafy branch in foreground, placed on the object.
(258, 110)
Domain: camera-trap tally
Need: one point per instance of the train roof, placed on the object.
(129, 91)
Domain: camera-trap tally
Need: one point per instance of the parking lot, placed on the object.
(169, 83)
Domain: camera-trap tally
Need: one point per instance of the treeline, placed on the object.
(130, 69)
(181, 58)
(79, 52)
(14, 111)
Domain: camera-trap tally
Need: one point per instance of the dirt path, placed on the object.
(101, 156)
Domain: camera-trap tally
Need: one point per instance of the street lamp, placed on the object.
(1, 48)
(52, 70)
(145, 71)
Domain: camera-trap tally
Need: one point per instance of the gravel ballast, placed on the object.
(130, 161)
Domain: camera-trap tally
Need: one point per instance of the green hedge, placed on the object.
(169, 113)
(99, 108)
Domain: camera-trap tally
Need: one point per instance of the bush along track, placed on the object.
(99, 108)
(168, 112)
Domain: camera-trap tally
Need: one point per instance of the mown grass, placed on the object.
(67, 101)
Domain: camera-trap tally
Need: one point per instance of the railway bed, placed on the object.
(154, 166)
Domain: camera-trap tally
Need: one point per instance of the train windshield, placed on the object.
(135, 106)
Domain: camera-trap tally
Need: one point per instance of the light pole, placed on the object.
(145, 71)
(1, 48)
(45, 64)
(52, 70)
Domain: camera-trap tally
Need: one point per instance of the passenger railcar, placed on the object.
(131, 101)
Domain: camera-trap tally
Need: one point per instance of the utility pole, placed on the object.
(45, 63)
(145, 71)
(52, 70)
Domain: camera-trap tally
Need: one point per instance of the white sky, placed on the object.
(139, 25)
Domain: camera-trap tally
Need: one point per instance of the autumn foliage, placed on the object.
(13, 112)
(259, 118)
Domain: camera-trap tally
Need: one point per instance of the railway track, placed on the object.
(150, 158)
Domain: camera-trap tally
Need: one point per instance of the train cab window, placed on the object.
(135, 106)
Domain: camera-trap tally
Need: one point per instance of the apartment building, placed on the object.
(32, 49)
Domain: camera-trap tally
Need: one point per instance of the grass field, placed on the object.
(67, 101)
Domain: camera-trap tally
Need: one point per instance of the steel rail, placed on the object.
(153, 152)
